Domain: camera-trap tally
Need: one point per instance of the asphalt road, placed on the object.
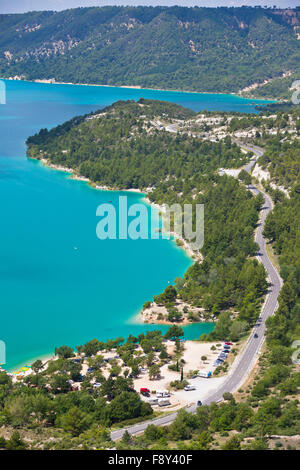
(244, 364)
(249, 356)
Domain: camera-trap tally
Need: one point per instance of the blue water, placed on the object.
(50, 293)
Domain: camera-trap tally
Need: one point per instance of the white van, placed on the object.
(188, 388)
(204, 374)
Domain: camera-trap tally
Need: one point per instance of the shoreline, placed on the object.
(180, 242)
(136, 87)
(246, 91)
(74, 176)
(16, 371)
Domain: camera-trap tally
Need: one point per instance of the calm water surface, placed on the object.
(59, 284)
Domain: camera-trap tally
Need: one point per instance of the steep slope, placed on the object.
(203, 49)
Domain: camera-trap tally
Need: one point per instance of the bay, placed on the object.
(59, 284)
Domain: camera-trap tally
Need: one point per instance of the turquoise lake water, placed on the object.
(50, 293)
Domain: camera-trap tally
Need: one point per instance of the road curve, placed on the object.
(245, 362)
(247, 359)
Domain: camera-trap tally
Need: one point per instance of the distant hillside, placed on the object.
(202, 49)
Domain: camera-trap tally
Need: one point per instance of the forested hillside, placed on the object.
(283, 161)
(202, 49)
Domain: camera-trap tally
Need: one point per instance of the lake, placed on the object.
(59, 284)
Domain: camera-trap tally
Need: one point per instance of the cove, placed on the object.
(60, 284)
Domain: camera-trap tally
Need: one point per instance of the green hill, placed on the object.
(202, 49)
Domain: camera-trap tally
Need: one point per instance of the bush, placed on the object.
(2, 443)
(234, 443)
(227, 396)
(178, 384)
(153, 433)
(64, 352)
(75, 421)
(278, 444)
(15, 442)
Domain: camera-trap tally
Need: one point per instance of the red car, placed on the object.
(144, 390)
(228, 343)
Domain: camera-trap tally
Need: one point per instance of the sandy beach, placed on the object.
(158, 314)
(19, 372)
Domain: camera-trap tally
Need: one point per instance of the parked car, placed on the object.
(153, 401)
(97, 385)
(217, 363)
(163, 394)
(255, 335)
(91, 369)
(164, 402)
(228, 343)
(199, 403)
(145, 391)
(188, 388)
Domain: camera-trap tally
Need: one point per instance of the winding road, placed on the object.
(246, 360)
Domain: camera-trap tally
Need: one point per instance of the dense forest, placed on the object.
(282, 229)
(282, 158)
(119, 150)
(121, 147)
(201, 49)
(277, 87)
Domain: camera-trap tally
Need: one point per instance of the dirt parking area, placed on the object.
(197, 356)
